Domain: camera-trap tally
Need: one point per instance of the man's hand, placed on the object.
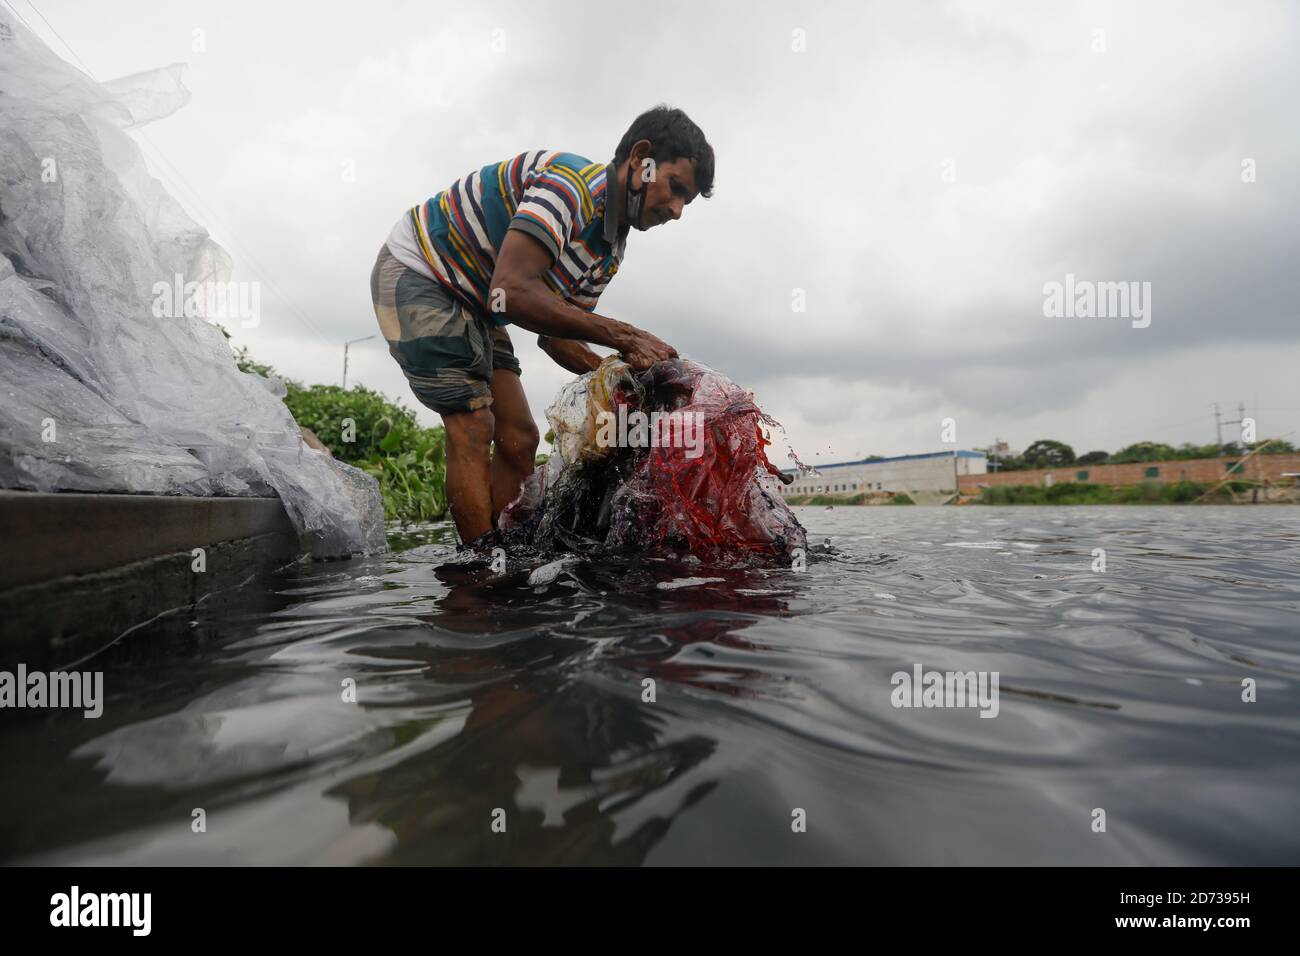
(640, 349)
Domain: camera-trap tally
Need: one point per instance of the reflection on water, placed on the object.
(480, 698)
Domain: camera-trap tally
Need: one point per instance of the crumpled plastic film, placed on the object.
(574, 413)
(97, 393)
(697, 483)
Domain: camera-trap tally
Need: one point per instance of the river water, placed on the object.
(645, 713)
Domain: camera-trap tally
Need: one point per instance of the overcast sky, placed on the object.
(919, 170)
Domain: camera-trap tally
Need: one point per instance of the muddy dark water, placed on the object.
(481, 700)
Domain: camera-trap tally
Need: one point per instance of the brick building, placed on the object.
(1256, 468)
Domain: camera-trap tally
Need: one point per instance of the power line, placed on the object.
(257, 268)
(19, 16)
(195, 197)
(60, 37)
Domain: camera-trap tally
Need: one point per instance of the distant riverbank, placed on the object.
(1085, 493)
(1147, 493)
(862, 498)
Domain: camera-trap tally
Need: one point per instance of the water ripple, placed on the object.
(383, 710)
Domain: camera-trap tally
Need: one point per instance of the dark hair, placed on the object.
(672, 136)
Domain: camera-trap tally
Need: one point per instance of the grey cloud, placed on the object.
(1115, 167)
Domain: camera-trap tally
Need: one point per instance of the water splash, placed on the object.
(698, 484)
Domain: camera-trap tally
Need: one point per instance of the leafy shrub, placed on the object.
(413, 479)
(353, 424)
(382, 438)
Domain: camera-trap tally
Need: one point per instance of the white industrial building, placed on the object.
(908, 473)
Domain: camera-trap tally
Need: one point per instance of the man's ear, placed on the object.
(641, 150)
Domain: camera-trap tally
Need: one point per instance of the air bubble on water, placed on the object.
(686, 583)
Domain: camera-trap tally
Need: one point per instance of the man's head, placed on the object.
(667, 162)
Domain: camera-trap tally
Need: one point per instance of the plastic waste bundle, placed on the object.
(669, 462)
(100, 390)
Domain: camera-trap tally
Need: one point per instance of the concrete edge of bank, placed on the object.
(79, 570)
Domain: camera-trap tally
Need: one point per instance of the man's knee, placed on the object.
(470, 432)
(517, 441)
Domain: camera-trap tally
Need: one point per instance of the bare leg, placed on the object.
(470, 470)
(516, 439)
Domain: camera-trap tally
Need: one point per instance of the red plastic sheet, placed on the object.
(670, 462)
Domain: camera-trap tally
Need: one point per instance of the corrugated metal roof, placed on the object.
(961, 453)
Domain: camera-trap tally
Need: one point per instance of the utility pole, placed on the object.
(345, 357)
(1218, 430)
(1241, 412)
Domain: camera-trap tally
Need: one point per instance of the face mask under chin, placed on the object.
(634, 203)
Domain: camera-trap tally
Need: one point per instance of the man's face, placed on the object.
(669, 186)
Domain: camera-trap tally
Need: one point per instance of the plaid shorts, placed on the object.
(447, 352)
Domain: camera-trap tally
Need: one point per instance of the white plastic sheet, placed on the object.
(96, 392)
(698, 483)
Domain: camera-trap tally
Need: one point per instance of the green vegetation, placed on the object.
(861, 498)
(363, 428)
(1083, 493)
(1048, 453)
(819, 500)
(245, 362)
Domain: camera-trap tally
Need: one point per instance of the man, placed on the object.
(531, 242)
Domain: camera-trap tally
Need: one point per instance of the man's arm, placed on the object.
(530, 304)
(569, 354)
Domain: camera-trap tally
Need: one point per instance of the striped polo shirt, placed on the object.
(557, 198)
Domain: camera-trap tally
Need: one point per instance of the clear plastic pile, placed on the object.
(96, 393)
(696, 484)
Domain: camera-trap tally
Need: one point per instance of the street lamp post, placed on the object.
(345, 357)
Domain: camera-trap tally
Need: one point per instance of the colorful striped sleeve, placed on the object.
(556, 204)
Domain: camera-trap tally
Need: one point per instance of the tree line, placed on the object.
(1048, 453)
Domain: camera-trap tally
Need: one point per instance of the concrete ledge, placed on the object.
(55, 623)
(46, 536)
(79, 570)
